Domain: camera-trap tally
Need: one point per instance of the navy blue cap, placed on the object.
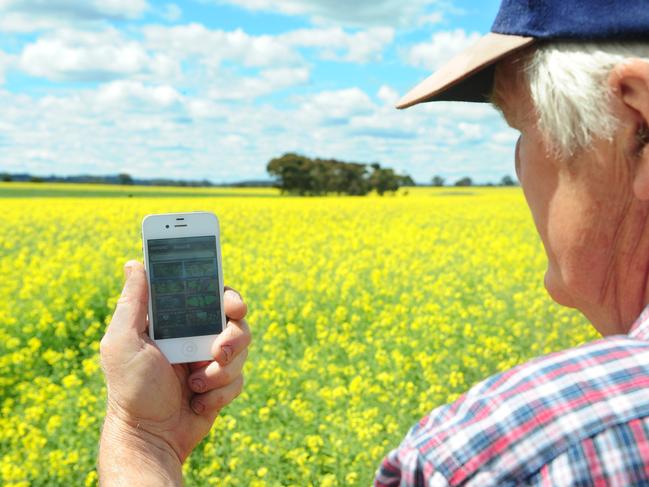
(574, 19)
(521, 23)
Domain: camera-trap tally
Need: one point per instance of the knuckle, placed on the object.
(226, 334)
(198, 405)
(198, 384)
(227, 353)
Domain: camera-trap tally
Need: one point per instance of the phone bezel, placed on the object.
(198, 224)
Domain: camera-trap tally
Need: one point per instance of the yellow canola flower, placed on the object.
(366, 313)
(71, 381)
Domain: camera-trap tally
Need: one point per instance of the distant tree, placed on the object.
(322, 173)
(293, 173)
(383, 180)
(5, 176)
(354, 178)
(465, 181)
(406, 180)
(507, 181)
(124, 178)
(334, 176)
(35, 179)
(438, 181)
(301, 175)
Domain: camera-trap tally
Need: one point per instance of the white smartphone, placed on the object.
(182, 257)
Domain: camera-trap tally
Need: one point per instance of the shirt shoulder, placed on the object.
(507, 427)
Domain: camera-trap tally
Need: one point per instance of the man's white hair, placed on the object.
(569, 89)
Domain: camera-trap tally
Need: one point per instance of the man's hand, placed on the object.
(158, 412)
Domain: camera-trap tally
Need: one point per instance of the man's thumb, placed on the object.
(133, 304)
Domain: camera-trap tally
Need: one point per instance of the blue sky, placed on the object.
(215, 88)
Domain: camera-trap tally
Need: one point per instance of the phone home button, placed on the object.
(189, 348)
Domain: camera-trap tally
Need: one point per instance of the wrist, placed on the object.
(129, 455)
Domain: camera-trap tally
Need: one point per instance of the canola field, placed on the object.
(366, 313)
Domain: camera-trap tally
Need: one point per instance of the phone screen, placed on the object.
(184, 287)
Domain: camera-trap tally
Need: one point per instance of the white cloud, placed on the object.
(396, 13)
(506, 137)
(34, 15)
(473, 112)
(336, 44)
(333, 107)
(249, 88)
(441, 48)
(381, 126)
(90, 56)
(211, 59)
(368, 45)
(5, 62)
(127, 94)
(388, 95)
(214, 46)
(171, 12)
(471, 131)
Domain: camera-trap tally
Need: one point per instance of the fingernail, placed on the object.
(235, 295)
(198, 407)
(198, 385)
(127, 270)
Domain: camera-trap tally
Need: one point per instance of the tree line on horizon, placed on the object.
(439, 181)
(354, 178)
(304, 176)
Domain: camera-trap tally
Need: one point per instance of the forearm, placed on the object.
(133, 457)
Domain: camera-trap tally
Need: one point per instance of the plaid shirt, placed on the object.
(575, 417)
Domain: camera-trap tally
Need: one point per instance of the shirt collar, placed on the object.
(640, 327)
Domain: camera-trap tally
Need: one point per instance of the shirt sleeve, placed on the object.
(405, 466)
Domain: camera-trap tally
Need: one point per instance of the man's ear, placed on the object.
(629, 85)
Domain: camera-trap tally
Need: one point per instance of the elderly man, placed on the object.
(573, 78)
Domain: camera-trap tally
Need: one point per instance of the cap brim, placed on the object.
(469, 75)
